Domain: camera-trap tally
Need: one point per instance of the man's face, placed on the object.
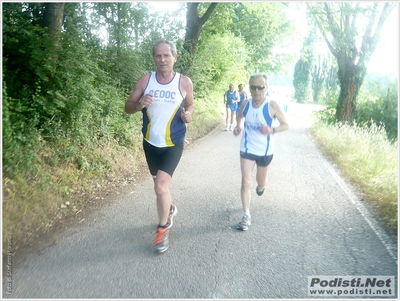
(258, 88)
(163, 58)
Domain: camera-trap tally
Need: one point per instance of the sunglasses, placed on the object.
(257, 87)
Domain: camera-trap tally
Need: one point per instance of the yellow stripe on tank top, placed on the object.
(168, 139)
(148, 127)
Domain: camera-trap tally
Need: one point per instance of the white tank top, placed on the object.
(253, 141)
(162, 122)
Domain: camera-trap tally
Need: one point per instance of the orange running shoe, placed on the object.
(161, 242)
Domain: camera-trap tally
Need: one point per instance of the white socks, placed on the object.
(229, 127)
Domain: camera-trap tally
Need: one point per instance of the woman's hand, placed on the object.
(266, 130)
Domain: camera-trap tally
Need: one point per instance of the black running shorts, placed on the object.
(162, 158)
(260, 160)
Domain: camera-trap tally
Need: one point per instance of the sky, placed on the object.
(385, 59)
(164, 5)
(386, 56)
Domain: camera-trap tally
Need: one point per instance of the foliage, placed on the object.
(53, 110)
(379, 105)
(262, 26)
(327, 114)
(19, 136)
(217, 72)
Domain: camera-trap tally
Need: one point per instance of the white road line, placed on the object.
(380, 233)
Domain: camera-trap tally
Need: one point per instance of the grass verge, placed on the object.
(367, 159)
(364, 155)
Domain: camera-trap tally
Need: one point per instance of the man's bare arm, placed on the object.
(133, 104)
(188, 106)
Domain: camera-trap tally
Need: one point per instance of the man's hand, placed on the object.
(237, 131)
(186, 116)
(147, 100)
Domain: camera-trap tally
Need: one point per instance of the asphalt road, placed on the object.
(309, 222)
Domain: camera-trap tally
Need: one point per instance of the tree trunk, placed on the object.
(53, 18)
(351, 77)
(194, 25)
(118, 30)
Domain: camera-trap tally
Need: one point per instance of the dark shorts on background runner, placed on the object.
(162, 158)
(260, 160)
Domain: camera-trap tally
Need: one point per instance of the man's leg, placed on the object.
(166, 161)
(161, 187)
(227, 119)
(232, 119)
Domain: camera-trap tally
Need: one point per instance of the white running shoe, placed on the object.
(244, 223)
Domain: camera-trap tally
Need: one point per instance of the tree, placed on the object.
(214, 72)
(351, 31)
(121, 21)
(302, 69)
(318, 75)
(331, 81)
(264, 26)
(194, 24)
